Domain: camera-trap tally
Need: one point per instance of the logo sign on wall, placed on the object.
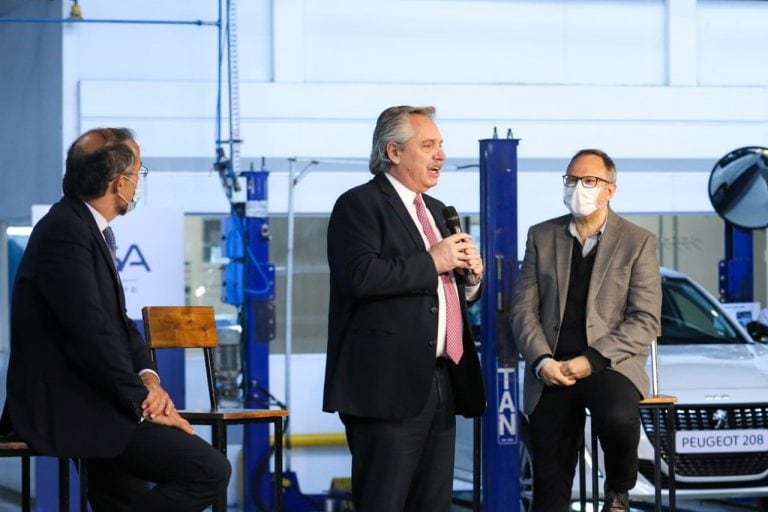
(150, 257)
(150, 254)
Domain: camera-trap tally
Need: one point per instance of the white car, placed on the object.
(720, 376)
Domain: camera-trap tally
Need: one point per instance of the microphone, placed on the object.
(452, 221)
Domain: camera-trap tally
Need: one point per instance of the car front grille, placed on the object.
(688, 417)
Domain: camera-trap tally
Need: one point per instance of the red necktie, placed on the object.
(453, 331)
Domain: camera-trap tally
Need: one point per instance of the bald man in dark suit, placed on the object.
(81, 382)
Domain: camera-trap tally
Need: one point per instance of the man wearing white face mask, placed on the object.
(587, 306)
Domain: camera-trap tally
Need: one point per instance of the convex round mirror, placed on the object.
(738, 187)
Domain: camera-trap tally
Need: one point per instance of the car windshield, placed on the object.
(688, 317)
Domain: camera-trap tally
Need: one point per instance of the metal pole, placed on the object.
(5, 306)
(234, 88)
(293, 182)
(289, 302)
(501, 421)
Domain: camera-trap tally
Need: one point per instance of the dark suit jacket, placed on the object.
(623, 303)
(382, 319)
(73, 386)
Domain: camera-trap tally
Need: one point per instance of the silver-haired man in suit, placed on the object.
(586, 308)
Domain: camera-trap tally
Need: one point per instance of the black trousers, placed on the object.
(188, 472)
(407, 464)
(557, 431)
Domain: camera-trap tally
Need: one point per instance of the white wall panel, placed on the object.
(484, 42)
(732, 42)
(611, 42)
(681, 51)
(177, 118)
(363, 101)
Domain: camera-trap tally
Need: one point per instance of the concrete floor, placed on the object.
(11, 503)
(682, 506)
(742, 505)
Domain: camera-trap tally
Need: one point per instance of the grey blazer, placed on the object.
(623, 302)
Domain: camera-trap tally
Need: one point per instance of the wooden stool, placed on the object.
(15, 448)
(657, 404)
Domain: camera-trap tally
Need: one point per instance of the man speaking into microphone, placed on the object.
(401, 359)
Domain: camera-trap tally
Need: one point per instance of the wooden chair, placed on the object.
(657, 403)
(10, 447)
(195, 327)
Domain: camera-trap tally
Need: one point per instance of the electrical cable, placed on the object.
(116, 21)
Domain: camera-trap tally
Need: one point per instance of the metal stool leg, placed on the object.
(657, 457)
(219, 441)
(63, 484)
(671, 457)
(595, 472)
(278, 465)
(582, 476)
(83, 465)
(26, 501)
(476, 443)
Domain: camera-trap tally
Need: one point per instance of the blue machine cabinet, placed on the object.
(499, 356)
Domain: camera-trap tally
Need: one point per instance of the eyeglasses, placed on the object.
(143, 171)
(588, 181)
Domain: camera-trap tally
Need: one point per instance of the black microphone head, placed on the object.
(452, 220)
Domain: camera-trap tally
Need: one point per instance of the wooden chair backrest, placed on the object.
(184, 327)
(180, 326)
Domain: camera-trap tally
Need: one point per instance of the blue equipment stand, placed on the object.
(499, 356)
(735, 271)
(249, 283)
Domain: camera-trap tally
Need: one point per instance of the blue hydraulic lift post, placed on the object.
(499, 356)
(736, 273)
(259, 330)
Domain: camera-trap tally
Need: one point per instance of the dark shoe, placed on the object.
(616, 502)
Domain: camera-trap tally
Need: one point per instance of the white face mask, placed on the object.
(136, 195)
(580, 200)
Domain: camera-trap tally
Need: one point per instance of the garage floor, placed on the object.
(714, 506)
(686, 506)
(682, 506)
(9, 504)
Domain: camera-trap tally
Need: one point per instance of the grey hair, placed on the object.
(393, 125)
(610, 166)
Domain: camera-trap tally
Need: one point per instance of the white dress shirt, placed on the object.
(407, 196)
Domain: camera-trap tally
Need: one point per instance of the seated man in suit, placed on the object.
(586, 308)
(80, 379)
